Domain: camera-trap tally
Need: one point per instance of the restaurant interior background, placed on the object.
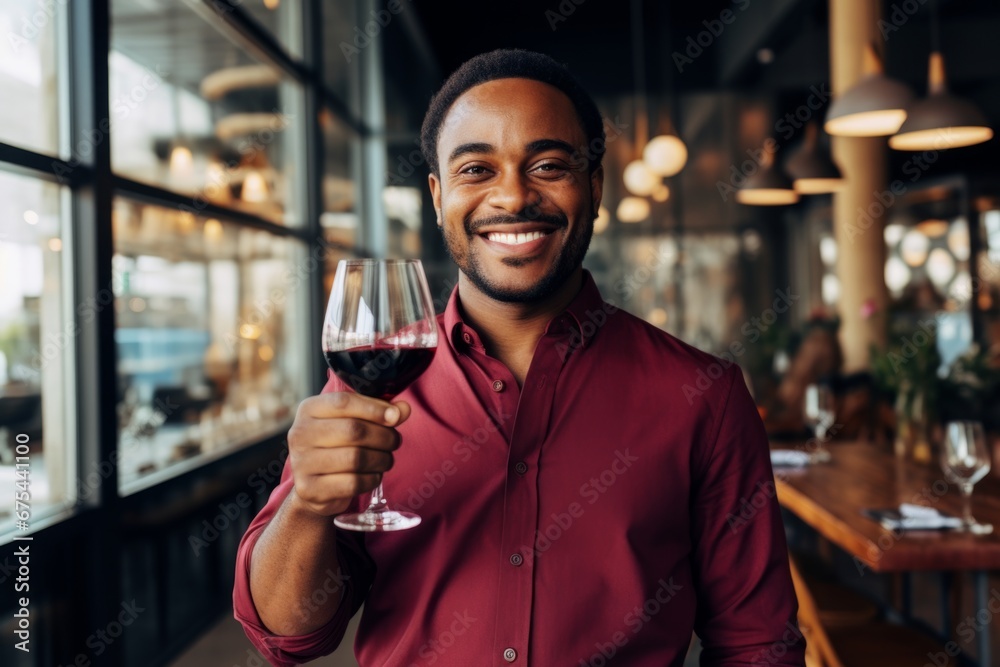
(178, 179)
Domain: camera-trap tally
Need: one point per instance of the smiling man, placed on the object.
(578, 508)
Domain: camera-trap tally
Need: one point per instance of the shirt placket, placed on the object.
(521, 502)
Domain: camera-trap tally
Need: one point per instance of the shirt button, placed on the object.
(509, 654)
(516, 560)
(498, 386)
(467, 338)
(520, 467)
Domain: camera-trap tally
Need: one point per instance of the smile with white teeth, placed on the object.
(514, 239)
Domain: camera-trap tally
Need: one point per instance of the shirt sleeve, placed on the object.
(747, 606)
(353, 581)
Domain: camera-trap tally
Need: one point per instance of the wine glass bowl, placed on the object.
(965, 460)
(379, 335)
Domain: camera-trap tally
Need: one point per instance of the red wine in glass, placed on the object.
(381, 371)
(379, 335)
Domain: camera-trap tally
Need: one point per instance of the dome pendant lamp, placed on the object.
(874, 107)
(942, 120)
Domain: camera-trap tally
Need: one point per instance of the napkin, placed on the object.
(789, 458)
(914, 517)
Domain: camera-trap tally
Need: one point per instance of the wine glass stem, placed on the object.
(967, 505)
(377, 503)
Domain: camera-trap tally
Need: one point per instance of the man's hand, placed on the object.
(339, 446)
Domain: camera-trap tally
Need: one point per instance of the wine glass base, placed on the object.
(820, 456)
(979, 528)
(377, 522)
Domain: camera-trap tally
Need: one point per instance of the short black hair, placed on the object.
(513, 64)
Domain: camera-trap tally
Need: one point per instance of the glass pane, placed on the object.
(29, 74)
(987, 291)
(341, 151)
(194, 113)
(281, 18)
(210, 334)
(36, 346)
(344, 40)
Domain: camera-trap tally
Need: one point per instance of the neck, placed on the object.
(510, 331)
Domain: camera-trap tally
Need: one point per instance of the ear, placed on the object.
(435, 185)
(597, 187)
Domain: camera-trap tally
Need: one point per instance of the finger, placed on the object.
(346, 460)
(348, 404)
(324, 488)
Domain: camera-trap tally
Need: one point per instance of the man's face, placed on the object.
(515, 198)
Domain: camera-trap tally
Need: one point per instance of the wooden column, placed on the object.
(858, 209)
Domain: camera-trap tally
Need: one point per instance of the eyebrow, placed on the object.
(470, 148)
(536, 146)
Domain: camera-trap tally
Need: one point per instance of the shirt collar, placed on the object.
(582, 319)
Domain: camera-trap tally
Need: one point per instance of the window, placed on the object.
(341, 151)
(194, 113)
(29, 74)
(343, 40)
(36, 344)
(210, 324)
(281, 19)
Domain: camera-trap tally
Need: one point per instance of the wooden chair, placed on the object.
(877, 644)
(838, 606)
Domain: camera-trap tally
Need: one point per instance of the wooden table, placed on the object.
(829, 497)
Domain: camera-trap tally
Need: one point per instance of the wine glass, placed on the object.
(819, 415)
(966, 460)
(379, 335)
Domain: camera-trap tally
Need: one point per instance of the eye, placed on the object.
(473, 170)
(549, 170)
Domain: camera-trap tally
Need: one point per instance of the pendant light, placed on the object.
(768, 186)
(633, 209)
(811, 167)
(639, 179)
(874, 107)
(942, 120)
(665, 155)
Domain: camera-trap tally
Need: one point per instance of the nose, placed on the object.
(514, 193)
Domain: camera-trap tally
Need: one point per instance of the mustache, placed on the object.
(473, 226)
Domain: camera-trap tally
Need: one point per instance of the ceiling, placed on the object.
(595, 38)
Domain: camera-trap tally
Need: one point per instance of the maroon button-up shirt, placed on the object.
(619, 500)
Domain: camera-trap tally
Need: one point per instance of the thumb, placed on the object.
(404, 412)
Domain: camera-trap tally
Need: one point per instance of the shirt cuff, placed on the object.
(281, 650)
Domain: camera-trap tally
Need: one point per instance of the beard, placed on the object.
(569, 260)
